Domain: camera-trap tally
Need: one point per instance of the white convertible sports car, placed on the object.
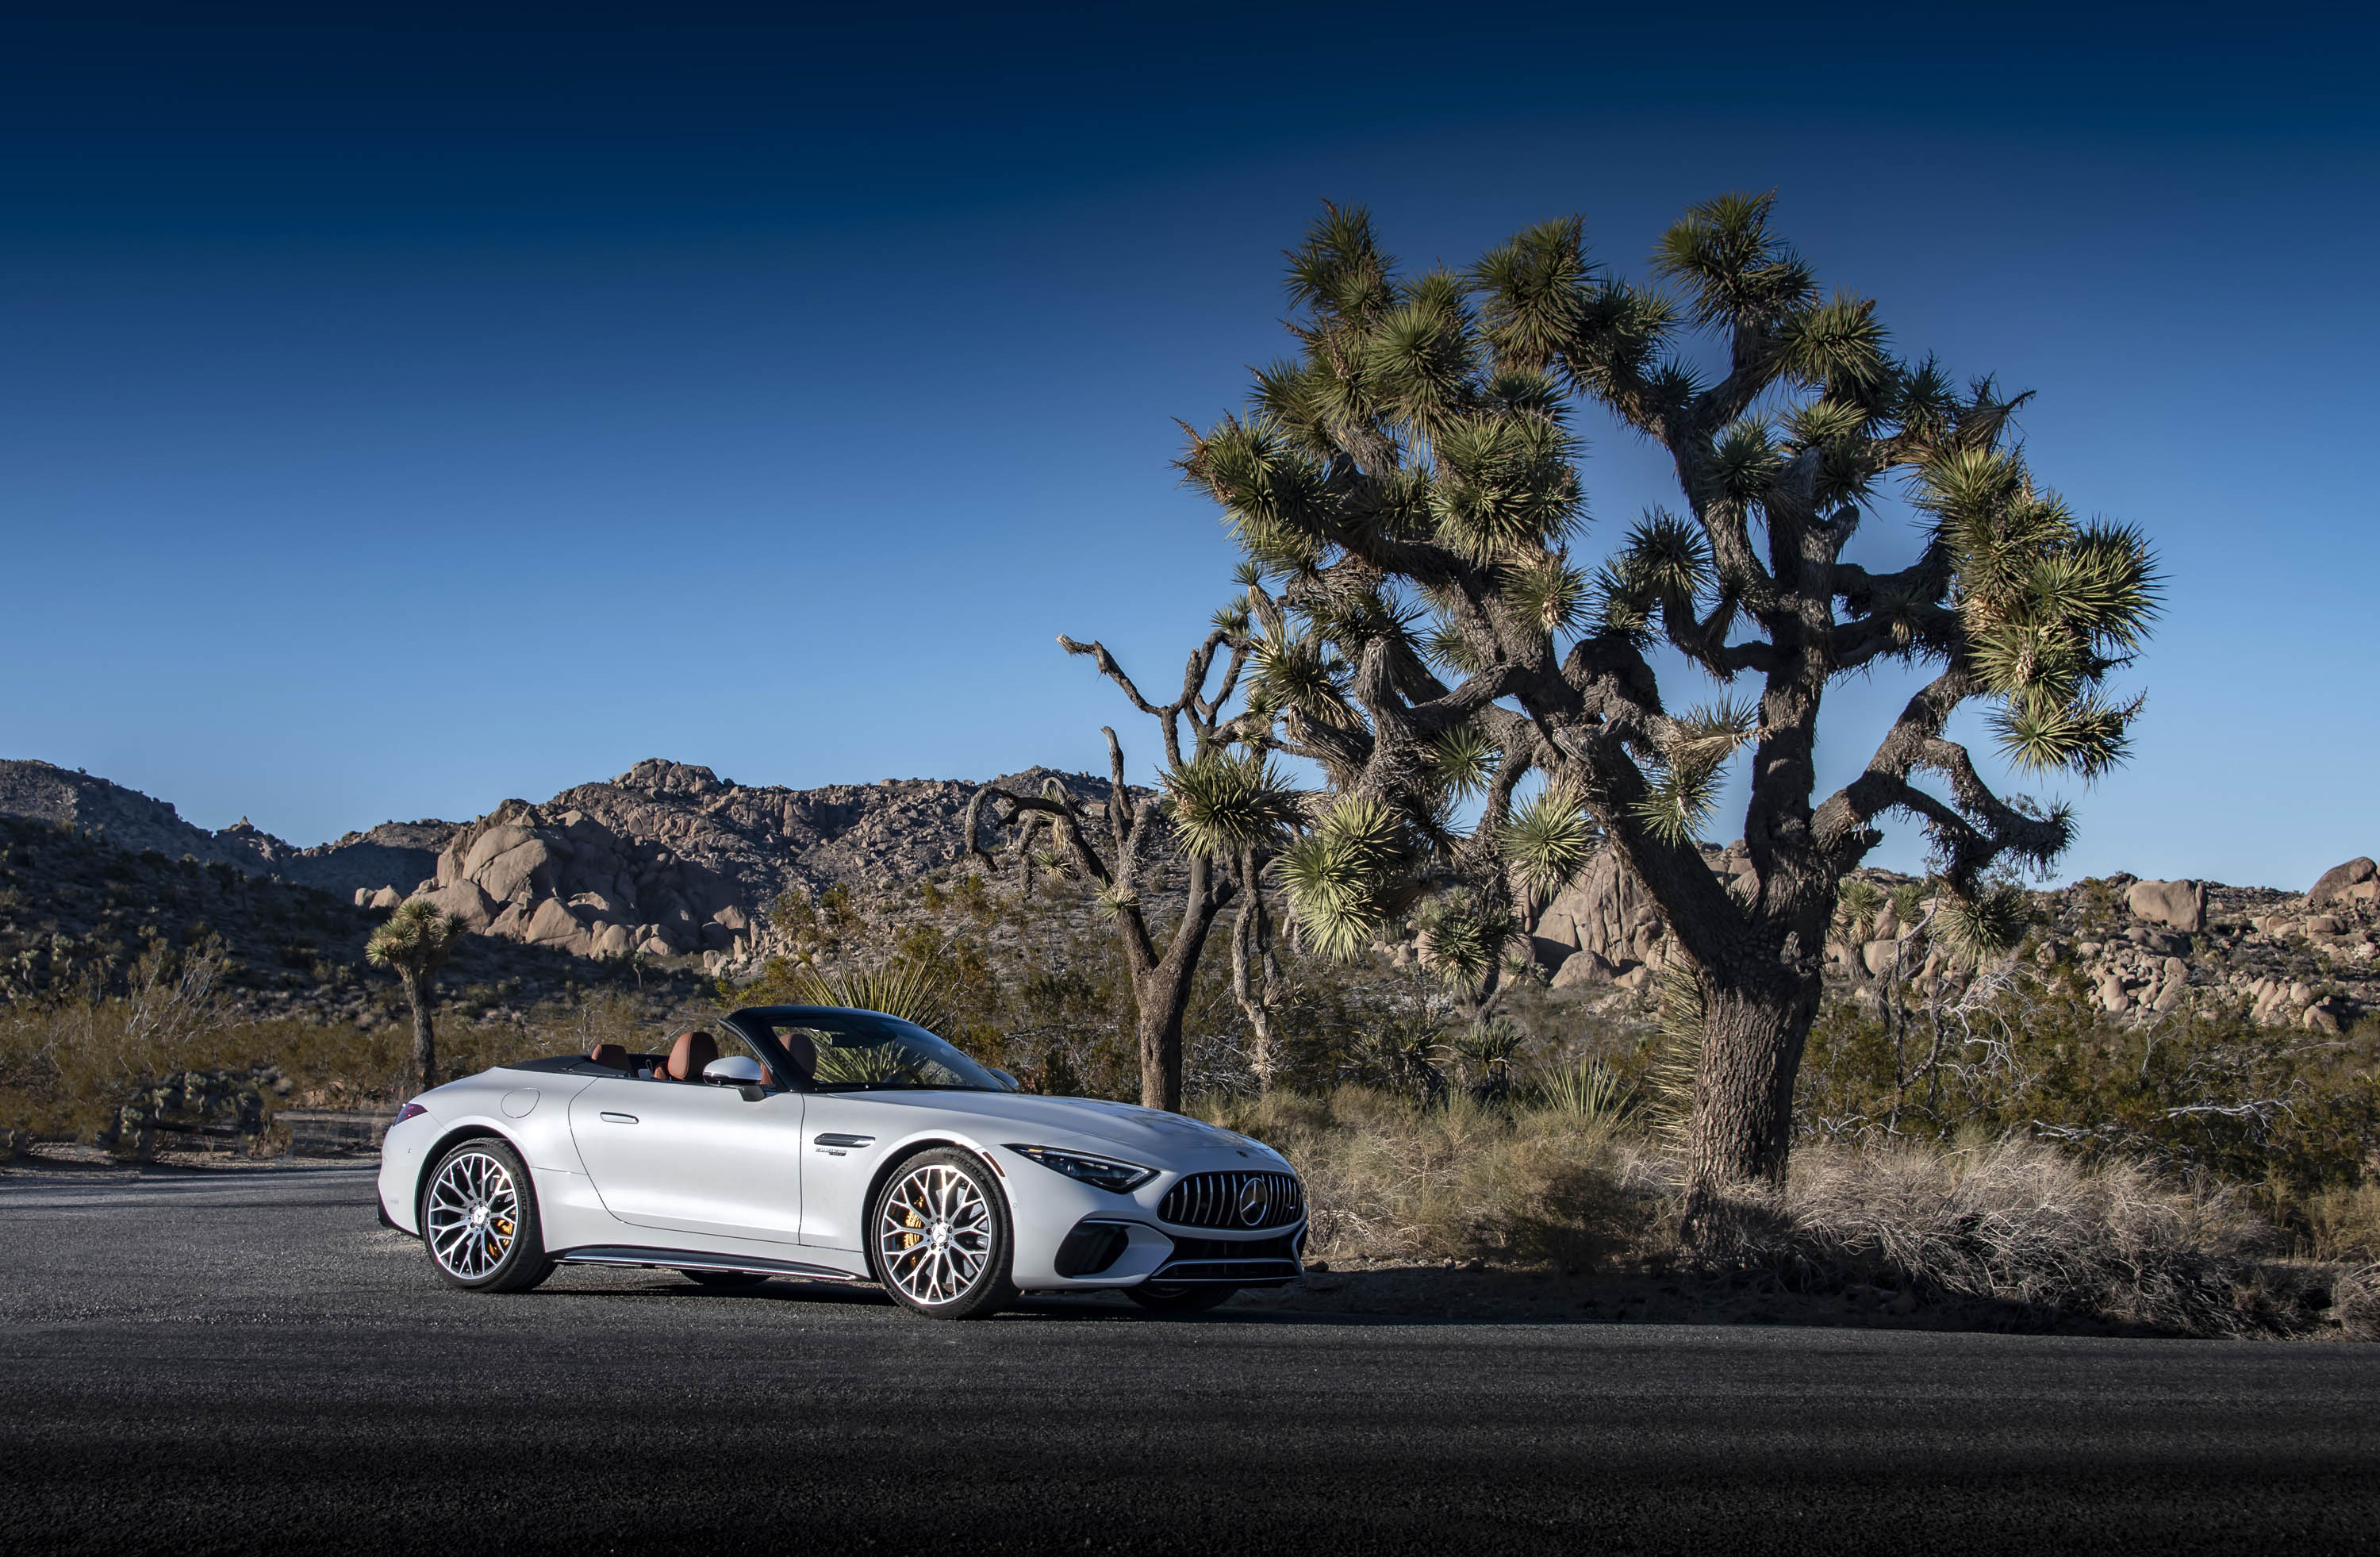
(836, 1144)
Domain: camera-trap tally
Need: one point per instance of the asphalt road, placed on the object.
(240, 1362)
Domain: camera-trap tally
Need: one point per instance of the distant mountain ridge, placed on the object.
(45, 792)
(710, 854)
(670, 860)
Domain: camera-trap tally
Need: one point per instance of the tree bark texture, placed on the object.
(425, 1042)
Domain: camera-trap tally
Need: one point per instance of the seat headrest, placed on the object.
(802, 1052)
(690, 1053)
(610, 1054)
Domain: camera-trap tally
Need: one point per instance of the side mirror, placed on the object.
(1013, 1085)
(736, 1070)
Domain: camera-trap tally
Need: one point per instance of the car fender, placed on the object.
(527, 1114)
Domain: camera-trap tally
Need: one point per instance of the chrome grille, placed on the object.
(1217, 1200)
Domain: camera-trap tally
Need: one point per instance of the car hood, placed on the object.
(1133, 1131)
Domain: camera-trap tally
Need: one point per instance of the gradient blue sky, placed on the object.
(398, 417)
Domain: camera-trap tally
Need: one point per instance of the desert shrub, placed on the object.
(2355, 1302)
(2342, 1222)
(2287, 1112)
(2013, 1221)
(72, 1059)
(1389, 1176)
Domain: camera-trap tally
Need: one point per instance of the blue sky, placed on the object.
(398, 417)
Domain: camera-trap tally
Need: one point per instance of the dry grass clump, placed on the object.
(1391, 1177)
(69, 1061)
(2014, 1222)
(2355, 1302)
(2343, 1222)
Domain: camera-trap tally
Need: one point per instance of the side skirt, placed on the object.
(688, 1259)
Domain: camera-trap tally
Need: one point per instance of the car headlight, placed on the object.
(1106, 1173)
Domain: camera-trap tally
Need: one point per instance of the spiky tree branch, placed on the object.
(1222, 812)
(1407, 483)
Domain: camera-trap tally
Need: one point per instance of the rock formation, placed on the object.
(2358, 880)
(670, 859)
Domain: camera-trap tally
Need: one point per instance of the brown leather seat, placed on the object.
(610, 1054)
(687, 1056)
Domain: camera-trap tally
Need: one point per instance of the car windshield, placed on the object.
(852, 1050)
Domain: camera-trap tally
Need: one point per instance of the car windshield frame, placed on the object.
(761, 1027)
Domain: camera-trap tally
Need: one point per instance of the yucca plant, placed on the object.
(1488, 1050)
(414, 945)
(1407, 489)
(909, 988)
(1586, 1089)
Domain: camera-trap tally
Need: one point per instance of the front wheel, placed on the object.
(938, 1238)
(478, 1220)
(1180, 1300)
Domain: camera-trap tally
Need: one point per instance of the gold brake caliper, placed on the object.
(911, 1240)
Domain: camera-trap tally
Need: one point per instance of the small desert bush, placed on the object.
(2343, 1222)
(70, 1058)
(2013, 1221)
(1390, 1176)
(2355, 1302)
(1567, 1177)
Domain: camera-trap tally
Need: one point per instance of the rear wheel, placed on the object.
(938, 1238)
(1180, 1300)
(724, 1281)
(478, 1220)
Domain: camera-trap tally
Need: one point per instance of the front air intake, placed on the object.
(1235, 1200)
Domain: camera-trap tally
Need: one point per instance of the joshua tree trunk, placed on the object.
(1161, 985)
(425, 1042)
(1254, 975)
(1753, 1031)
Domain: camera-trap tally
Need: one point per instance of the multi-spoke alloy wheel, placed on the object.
(479, 1219)
(940, 1238)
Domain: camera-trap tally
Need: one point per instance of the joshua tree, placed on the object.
(1222, 815)
(1408, 484)
(415, 943)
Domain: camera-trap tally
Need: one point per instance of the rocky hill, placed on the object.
(2145, 949)
(77, 911)
(669, 860)
(98, 809)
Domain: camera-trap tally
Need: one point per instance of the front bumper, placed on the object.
(1105, 1249)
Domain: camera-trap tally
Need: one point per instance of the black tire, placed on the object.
(481, 1256)
(989, 1289)
(724, 1281)
(1181, 1299)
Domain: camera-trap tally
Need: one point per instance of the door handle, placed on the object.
(619, 1119)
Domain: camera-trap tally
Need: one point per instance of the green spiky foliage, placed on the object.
(1549, 840)
(909, 988)
(1858, 904)
(1486, 1051)
(1406, 487)
(1223, 804)
(1979, 929)
(1345, 878)
(1463, 940)
(414, 944)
